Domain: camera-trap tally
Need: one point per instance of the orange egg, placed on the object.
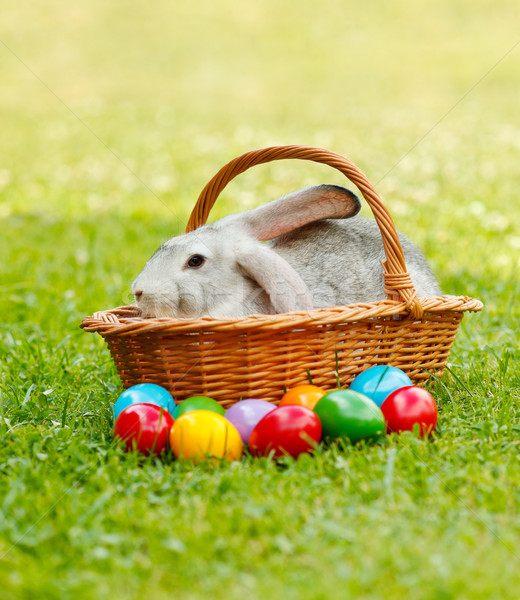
(303, 395)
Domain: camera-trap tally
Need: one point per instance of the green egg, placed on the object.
(199, 403)
(348, 414)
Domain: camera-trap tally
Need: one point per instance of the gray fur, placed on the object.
(322, 262)
(349, 253)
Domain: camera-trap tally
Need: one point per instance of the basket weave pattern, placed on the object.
(256, 356)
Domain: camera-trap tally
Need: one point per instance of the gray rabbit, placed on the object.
(318, 254)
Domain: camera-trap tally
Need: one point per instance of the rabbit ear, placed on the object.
(286, 289)
(297, 209)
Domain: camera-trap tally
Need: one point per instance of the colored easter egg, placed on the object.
(380, 381)
(348, 414)
(144, 427)
(246, 414)
(202, 434)
(409, 407)
(303, 395)
(145, 393)
(199, 403)
(287, 430)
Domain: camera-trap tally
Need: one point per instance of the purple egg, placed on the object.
(245, 415)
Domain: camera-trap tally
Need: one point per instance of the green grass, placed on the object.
(175, 92)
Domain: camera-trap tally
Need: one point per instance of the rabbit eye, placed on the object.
(196, 261)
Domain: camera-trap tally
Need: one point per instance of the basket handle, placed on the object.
(398, 283)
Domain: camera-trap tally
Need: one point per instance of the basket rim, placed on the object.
(125, 320)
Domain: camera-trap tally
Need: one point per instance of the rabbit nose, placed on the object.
(138, 294)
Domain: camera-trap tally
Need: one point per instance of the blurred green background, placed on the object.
(126, 111)
(113, 116)
(176, 90)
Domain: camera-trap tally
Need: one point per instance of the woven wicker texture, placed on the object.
(257, 356)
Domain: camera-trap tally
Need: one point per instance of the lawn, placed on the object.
(112, 119)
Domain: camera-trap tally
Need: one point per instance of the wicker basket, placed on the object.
(256, 356)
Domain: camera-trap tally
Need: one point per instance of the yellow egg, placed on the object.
(202, 434)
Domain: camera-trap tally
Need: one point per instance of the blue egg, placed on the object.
(379, 382)
(145, 393)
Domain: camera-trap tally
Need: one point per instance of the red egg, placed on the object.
(409, 406)
(287, 430)
(144, 427)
